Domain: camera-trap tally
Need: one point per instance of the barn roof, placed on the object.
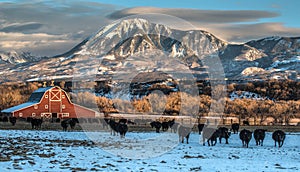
(21, 106)
(42, 90)
(34, 98)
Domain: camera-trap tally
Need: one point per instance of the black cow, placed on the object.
(184, 132)
(65, 124)
(259, 136)
(36, 123)
(200, 128)
(13, 120)
(156, 124)
(114, 127)
(69, 122)
(165, 126)
(224, 133)
(246, 123)
(118, 127)
(235, 128)
(5, 119)
(122, 129)
(245, 136)
(123, 120)
(278, 136)
(211, 135)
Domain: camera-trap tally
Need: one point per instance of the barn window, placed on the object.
(65, 115)
(20, 114)
(46, 96)
(63, 96)
(63, 106)
(46, 106)
(36, 106)
(33, 114)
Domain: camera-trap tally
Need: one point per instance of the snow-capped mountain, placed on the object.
(14, 57)
(140, 44)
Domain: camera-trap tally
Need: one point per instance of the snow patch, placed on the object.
(246, 95)
(285, 61)
(252, 70)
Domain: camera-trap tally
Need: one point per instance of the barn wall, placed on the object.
(64, 106)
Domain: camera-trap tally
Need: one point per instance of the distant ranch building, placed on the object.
(50, 102)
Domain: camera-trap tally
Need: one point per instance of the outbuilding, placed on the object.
(50, 102)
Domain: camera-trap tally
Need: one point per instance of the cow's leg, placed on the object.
(275, 143)
(220, 139)
(227, 141)
(261, 142)
(280, 143)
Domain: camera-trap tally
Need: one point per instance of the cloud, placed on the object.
(24, 21)
(240, 33)
(21, 27)
(205, 16)
(54, 27)
(232, 26)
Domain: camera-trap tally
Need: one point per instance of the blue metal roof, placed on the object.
(15, 108)
(42, 90)
(35, 97)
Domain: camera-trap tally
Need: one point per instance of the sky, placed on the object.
(52, 27)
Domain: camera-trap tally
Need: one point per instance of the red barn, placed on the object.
(50, 102)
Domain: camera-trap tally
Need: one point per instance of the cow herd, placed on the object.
(210, 135)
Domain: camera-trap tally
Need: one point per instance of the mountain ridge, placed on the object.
(114, 43)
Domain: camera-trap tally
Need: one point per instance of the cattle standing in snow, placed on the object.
(13, 120)
(245, 136)
(5, 119)
(165, 126)
(156, 124)
(122, 129)
(114, 127)
(69, 122)
(224, 133)
(171, 123)
(36, 123)
(200, 128)
(259, 136)
(235, 128)
(211, 135)
(278, 136)
(184, 132)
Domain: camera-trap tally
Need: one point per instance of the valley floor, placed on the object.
(26, 150)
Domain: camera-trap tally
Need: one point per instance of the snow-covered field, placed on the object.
(75, 151)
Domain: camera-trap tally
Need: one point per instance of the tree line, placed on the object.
(283, 104)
